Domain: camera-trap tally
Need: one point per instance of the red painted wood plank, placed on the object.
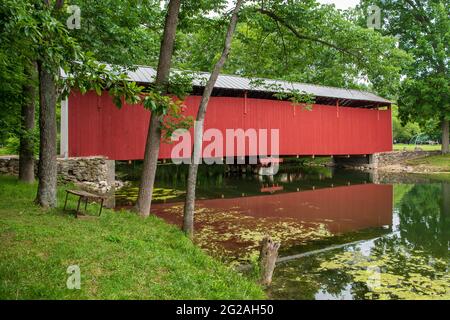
(98, 127)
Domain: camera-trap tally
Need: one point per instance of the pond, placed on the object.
(343, 236)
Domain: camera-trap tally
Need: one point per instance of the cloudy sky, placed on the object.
(341, 4)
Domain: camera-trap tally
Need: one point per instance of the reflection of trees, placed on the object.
(445, 203)
(424, 218)
(334, 281)
(215, 181)
(424, 235)
(419, 249)
(218, 181)
(293, 280)
(300, 281)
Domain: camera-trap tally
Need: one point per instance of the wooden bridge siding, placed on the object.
(97, 127)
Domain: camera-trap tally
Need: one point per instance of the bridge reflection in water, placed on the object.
(306, 208)
(342, 209)
(234, 226)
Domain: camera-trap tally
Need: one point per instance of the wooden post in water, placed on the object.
(267, 259)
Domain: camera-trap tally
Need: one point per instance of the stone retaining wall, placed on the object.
(386, 177)
(94, 173)
(384, 159)
(9, 165)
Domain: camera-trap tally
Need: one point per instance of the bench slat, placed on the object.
(81, 193)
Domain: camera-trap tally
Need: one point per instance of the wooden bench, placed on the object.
(85, 196)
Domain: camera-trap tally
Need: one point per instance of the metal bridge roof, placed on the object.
(145, 74)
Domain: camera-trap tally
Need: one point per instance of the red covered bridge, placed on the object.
(341, 122)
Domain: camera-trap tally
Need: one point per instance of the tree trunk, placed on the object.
(144, 201)
(267, 259)
(445, 211)
(445, 205)
(445, 137)
(26, 152)
(47, 168)
(189, 206)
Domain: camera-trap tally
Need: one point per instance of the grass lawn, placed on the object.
(308, 161)
(411, 147)
(439, 162)
(4, 152)
(439, 177)
(120, 255)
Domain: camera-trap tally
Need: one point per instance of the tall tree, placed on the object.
(46, 195)
(48, 73)
(47, 168)
(189, 207)
(152, 145)
(26, 150)
(18, 92)
(121, 32)
(422, 28)
(35, 29)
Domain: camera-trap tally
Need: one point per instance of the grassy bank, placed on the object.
(439, 162)
(120, 255)
(438, 177)
(436, 168)
(4, 152)
(411, 147)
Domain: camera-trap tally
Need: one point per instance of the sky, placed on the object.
(341, 4)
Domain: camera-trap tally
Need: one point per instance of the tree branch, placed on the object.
(284, 45)
(296, 33)
(418, 14)
(262, 42)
